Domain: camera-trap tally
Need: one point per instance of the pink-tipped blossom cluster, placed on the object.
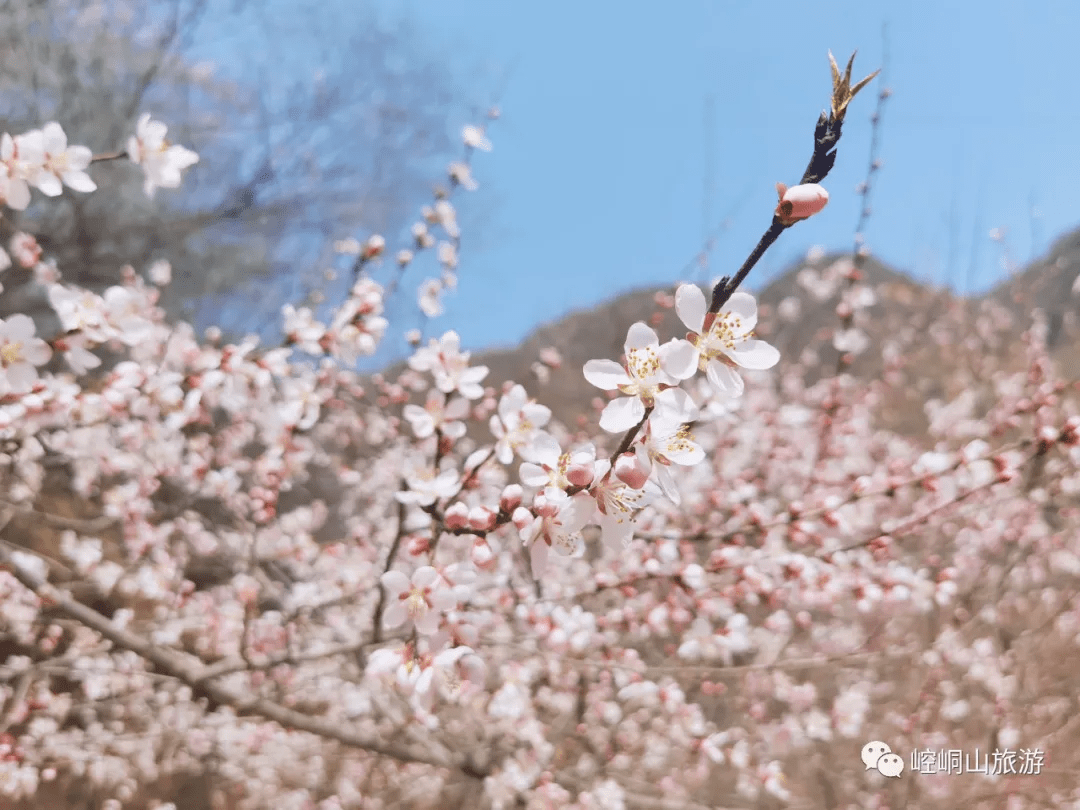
(318, 590)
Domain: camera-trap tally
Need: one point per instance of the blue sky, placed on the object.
(597, 183)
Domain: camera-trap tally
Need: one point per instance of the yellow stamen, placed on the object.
(11, 353)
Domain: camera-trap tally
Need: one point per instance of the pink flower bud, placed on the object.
(522, 518)
(1070, 432)
(580, 475)
(511, 498)
(417, 545)
(550, 357)
(630, 470)
(482, 555)
(457, 516)
(799, 202)
(373, 247)
(543, 506)
(482, 518)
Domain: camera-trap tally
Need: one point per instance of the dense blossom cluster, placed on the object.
(308, 590)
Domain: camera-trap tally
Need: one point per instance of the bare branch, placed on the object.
(193, 673)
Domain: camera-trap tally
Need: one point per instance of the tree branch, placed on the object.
(194, 674)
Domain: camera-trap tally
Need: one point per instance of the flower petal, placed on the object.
(538, 558)
(395, 582)
(679, 358)
(621, 414)
(79, 181)
(675, 406)
(744, 306)
(395, 615)
(605, 374)
(424, 576)
(639, 336)
(756, 355)
(724, 379)
(428, 623)
(690, 306)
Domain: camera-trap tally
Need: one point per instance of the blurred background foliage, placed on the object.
(315, 122)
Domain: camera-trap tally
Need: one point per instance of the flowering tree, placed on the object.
(753, 587)
(262, 214)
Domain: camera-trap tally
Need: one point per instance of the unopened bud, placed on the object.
(511, 498)
(373, 247)
(481, 518)
(522, 518)
(1070, 431)
(580, 475)
(482, 556)
(630, 470)
(456, 516)
(1046, 436)
(800, 202)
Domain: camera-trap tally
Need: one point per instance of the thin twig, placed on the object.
(826, 138)
(192, 673)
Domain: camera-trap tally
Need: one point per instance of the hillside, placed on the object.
(903, 310)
